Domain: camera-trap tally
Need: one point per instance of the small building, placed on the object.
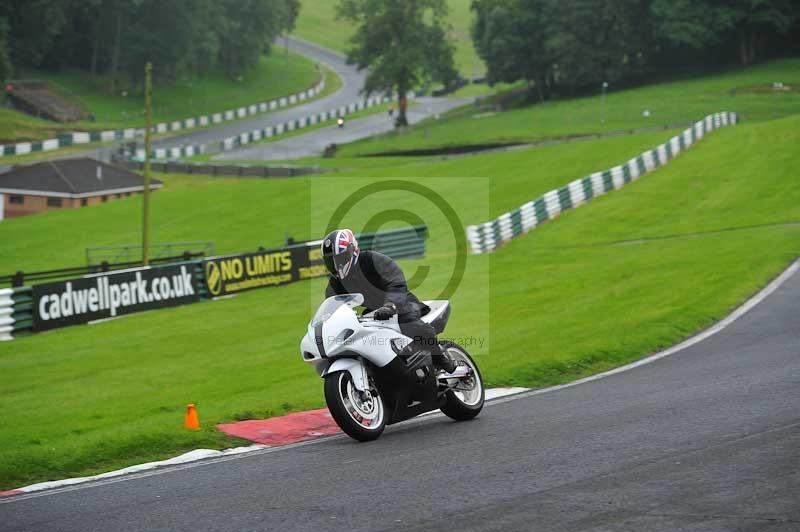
(65, 184)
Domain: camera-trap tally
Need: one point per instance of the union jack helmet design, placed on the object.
(340, 252)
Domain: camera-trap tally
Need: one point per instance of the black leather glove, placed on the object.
(385, 312)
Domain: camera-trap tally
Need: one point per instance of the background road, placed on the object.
(707, 439)
(352, 82)
(313, 143)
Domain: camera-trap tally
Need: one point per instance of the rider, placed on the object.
(382, 283)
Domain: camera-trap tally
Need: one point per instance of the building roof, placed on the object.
(72, 178)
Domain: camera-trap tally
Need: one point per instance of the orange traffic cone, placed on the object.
(191, 421)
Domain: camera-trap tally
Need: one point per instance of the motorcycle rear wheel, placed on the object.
(465, 404)
(362, 416)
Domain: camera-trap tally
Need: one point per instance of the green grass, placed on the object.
(16, 126)
(482, 89)
(332, 84)
(633, 271)
(669, 103)
(184, 98)
(317, 23)
(232, 228)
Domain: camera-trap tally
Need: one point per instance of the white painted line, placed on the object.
(191, 456)
(495, 393)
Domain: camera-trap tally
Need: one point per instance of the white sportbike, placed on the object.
(375, 376)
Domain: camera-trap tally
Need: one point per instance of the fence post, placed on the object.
(18, 279)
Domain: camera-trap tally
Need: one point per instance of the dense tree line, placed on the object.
(116, 37)
(557, 45)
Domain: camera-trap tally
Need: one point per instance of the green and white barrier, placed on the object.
(6, 313)
(243, 139)
(489, 236)
(86, 137)
(15, 312)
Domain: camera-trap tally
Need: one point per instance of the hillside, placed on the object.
(276, 75)
(746, 91)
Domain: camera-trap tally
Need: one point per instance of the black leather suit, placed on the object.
(381, 281)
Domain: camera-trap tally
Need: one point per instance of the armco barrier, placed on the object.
(6, 313)
(23, 309)
(397, 243)
(85, 137)
(15, 311)
(236, 170)
(489, 236)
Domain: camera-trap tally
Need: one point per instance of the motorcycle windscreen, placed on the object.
(330, 305)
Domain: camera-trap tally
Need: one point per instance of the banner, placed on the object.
(109, 295)
(273, 267)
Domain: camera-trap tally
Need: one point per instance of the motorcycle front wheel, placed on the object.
(361, 415)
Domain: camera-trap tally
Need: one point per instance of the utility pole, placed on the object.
(148, 141)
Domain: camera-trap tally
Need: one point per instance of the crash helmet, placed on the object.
(340, 252)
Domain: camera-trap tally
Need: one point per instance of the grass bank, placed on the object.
(746, 91)
(275, 75)
(631, 272)
(230, 212)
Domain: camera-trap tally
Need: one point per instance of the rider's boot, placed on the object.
(442, 360)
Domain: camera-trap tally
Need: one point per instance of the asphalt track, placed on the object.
(706, 439)
(314, 142)
(352, 82)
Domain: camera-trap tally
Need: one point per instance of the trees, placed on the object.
(510, 37)
(5, 60)
(594, 42)
(403, 42)
(707, 23)
(582, 43)
(549, 42)
(247, 30)
(34, 26)
(116, 37)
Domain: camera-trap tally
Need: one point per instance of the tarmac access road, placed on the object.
(313, 143)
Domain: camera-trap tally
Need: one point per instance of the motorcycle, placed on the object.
(376, 376)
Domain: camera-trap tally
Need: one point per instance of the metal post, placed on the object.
(148, 120)
(603, 103)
